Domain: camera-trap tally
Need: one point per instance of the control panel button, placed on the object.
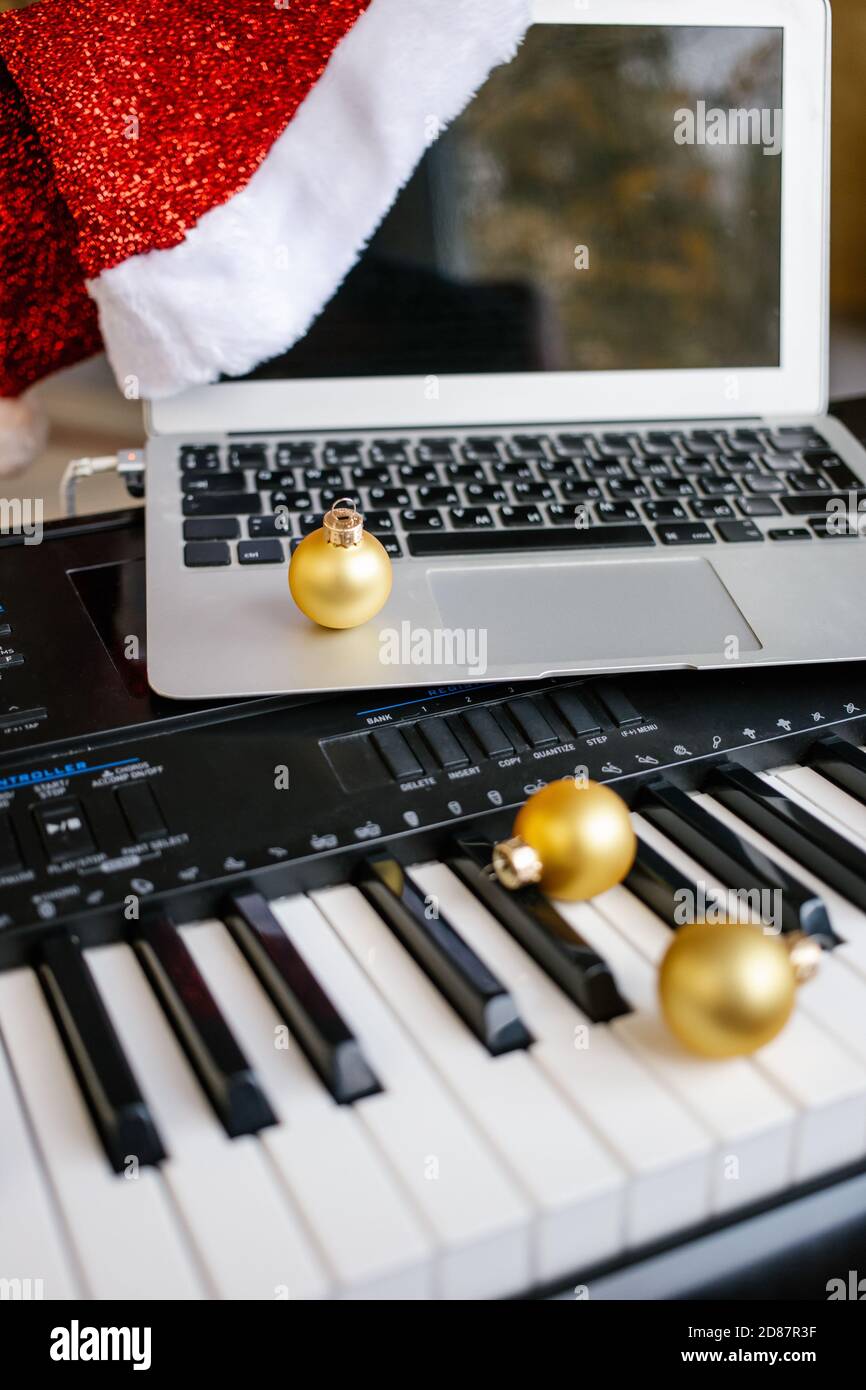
(64, 830)
(10, 854)
(575, 713)
(618, 706)
(140, 810)
(396, 754)
(442, 743)
(490, 735)
(531, 723)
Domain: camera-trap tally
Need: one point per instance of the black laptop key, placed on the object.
(464, 472)
(532, 492)
(521, 516)
(530, 446)
(298, 453)
(388, 451)
(654, 468)
(758, 506)
(735, 862)
(789, 533)
(280, 524)
(535, 922)
(614, 444)
(577, 490)
(719, 485)
(434, 451)
(300, 1000)
(513, 471)
(697, 467)
(482, 447)
(701, 442)
(736, 462)
(809, 482)
(391, 546)
(837, 472)
(438, 495)
(421, 519)
(199, 455)
(486, 492)
(342, 451)
(216, 528)
(366, 476)
(805, 837)
(607, 468)
(222, 504)
(571, 445)
(838, 527)
(292, 501)
(196, 483)
(480, 999)
(673, 487)
(567, 513)
(841, 763)
(323, 477)
(748, 438)
(762, 483)
(794, 438)
(247, 456)
(807, 504)
(260, 552)
(389, 497)
(465, 518)
(660, 442)
(689, 533)
(378, 521)
(543, 539)
(665, 511)
(309, 521)
(226, 1077)
(201, 554)
(712, 509)
(671, 895)
(607, 512)
(739, 531)
(626, 488)
(418, 473)
(113, 1096)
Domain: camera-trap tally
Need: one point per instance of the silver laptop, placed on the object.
(577, 385)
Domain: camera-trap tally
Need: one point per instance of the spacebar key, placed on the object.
(425, 543)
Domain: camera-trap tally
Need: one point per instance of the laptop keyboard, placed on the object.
(249, 503)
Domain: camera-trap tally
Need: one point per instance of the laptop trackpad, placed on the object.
(558, 615)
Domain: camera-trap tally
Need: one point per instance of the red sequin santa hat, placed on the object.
(187, 183)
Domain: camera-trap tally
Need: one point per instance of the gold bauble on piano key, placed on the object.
(574, 838)
(340, 575)
(727, 988)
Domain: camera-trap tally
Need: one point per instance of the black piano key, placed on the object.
(471, 988)
(732, 860)
(224, 1072)
(803, 836)
(113, 1096)
(841, 763)
(302, 1003)
(534, 921)
(660, 886)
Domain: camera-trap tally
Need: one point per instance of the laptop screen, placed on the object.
(610, 200)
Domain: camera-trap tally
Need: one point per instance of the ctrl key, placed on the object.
(198, 554)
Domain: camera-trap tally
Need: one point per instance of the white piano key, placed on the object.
(478, 1218)
(575, 1185)
(837, 996)
(824, 1082)
(248, 1238)
(664, 1150)
(125, 1231)
(32, 1238)
(353, 1202)
(752, 1123)
(823, 798)
(808, 791)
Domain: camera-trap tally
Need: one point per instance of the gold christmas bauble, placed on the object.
(574, 838)
(727, 988)
(340, 576)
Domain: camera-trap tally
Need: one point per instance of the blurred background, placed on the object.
(89, 416)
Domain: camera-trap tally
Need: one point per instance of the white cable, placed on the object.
(86, 468)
